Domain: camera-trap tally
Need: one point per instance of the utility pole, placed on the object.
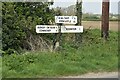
(105, 19)
(78, 36)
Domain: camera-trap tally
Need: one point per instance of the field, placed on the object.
(94, 55)
(97, 25)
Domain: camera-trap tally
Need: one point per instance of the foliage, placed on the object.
(19, 20)
(91, 18)
(94, 55)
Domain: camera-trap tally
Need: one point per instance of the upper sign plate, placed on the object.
(66, 19)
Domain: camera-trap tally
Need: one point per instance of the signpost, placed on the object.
(66, 19)
(59, 28)
(71, 29)
(47, 29)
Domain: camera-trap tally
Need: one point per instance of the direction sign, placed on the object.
(71, 29)
(47, 29)
(66, 19)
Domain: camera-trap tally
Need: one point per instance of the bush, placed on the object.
(19, 21)
(10, 51)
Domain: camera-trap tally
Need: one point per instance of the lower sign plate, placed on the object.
(46, 29)
(71, 29)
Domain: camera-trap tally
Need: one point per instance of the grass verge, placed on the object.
(94, 55)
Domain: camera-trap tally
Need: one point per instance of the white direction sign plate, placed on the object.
(47, 29)
(72, 29)
(66, 19)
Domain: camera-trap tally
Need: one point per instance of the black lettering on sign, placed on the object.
(67, 21)
(70, 28)
(49, 30)
(40, 27)
(61, 20)
(64, 20)
(44, 30)
(66, 17)
(52, 27)
(61, 17)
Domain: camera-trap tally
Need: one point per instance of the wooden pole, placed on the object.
(78, 36)
(105, 19)
(57, 37)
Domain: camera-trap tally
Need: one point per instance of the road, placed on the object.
(96, 75)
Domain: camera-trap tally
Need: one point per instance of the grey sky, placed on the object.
(89, 5)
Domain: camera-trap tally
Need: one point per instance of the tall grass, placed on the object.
(94, 55)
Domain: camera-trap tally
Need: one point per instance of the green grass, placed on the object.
(0, 68)
(94, 55)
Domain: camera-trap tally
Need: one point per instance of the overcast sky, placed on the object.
(91, 6)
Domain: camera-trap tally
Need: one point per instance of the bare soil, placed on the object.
(97, 25)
